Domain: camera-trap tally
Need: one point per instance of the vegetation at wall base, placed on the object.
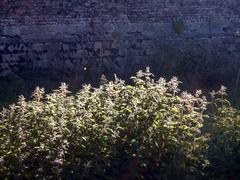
(147, 130)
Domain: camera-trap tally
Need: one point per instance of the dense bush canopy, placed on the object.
(150, 129)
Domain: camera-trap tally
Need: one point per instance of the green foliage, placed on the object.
(223, 127)
(178, 25)
(150, 129)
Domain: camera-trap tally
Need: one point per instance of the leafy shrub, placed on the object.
(146, 130)
(223, 128)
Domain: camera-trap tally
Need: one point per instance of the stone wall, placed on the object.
(85, 38)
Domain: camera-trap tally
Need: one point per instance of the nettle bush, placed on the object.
(223, 128)
(146, 130)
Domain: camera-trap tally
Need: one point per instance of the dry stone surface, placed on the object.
(82, 38)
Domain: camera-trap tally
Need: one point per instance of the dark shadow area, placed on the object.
(193, 75)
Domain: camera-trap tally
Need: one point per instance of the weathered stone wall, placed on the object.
(85, 38)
